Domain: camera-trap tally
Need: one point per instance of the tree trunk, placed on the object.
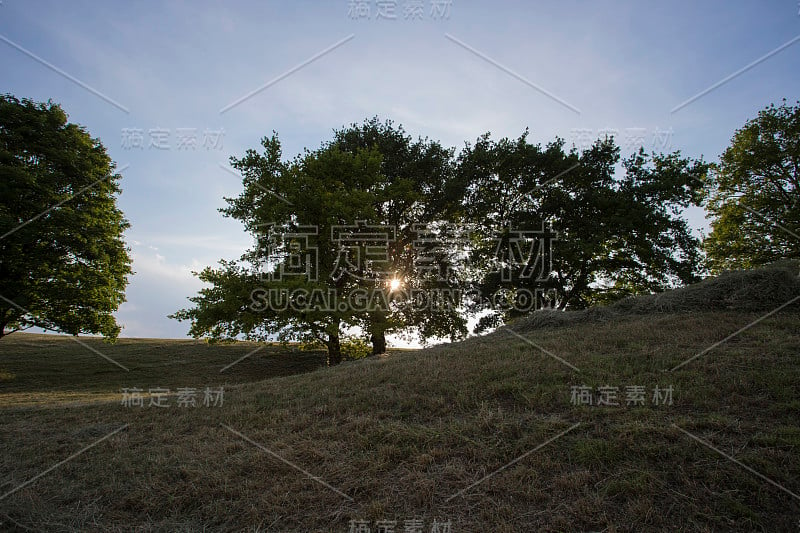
(377, 330)
(378, 339)
(334, 350)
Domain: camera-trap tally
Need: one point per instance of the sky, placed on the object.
(173, 89)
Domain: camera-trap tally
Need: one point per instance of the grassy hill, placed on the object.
(484, 433)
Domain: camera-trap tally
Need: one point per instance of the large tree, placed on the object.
(611, 235)
(755, 193)
(332, 205)
(290, 209)
(412, 195)
(63, 260)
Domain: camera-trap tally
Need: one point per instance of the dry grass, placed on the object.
(47, 369)
(400, 435)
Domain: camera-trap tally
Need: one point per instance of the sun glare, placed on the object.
(395, 284)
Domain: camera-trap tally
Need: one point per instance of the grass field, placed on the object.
(484, 434)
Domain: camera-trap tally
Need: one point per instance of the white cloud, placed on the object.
(158, 288)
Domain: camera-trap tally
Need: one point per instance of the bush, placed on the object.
(355, 348)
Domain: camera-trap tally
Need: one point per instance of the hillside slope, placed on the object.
(485, 434)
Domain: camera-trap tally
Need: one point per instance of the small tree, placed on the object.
(63, 261)
(755, 193)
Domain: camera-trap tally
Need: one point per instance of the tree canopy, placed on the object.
(589, 236)
(477, 226)
(755, 193)
(346, 213)
(63, 260)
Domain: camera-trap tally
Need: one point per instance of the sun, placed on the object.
(395, 284)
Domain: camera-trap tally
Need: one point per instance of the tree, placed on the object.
(755, 193)
(290, 209)
(613, 236)
(63, 261)
(620, 236)
(413, 193)
(329, 204)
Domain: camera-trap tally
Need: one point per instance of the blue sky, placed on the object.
(586, 68)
